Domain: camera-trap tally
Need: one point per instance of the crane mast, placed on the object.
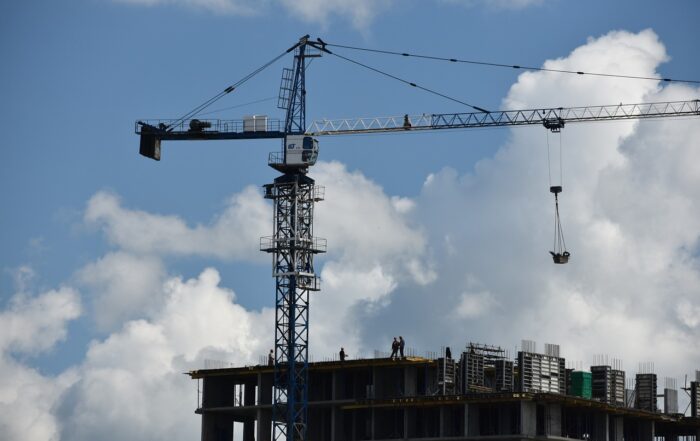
(293, 247)
(292, 244)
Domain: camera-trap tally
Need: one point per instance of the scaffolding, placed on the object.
(541, 373)
(645, 392)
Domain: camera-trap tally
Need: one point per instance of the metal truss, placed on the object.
(293, 248)
(550, 118)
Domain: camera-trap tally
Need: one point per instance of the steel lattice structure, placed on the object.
(293, 248)
(550, 118)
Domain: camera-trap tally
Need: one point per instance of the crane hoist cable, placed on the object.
(560, 254)
(228, 90)
(261, 100)
(515, 66)
(410, 83)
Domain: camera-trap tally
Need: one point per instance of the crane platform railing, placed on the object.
(189, 128)
(548, 117)
(314, 245)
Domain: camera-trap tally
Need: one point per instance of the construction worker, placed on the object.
(271, 358)
(342, 354)
(402, 343)
(394, 348)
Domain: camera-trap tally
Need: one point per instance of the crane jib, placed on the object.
(550, 118)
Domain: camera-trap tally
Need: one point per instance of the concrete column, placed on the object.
(410, 381)
(443, 417)
(553, 427)
(646, 430)
(249, 394)
(265, 388)
(473, 421)
(601, 429)
(216, 428)
(465, 415)
(528, 418)
(409, 423)
(337, 429)
(249, 429)
(618, 428)
(506, 415)
(264, 432)
(335, 387)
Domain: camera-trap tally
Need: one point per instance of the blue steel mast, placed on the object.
(293, 247)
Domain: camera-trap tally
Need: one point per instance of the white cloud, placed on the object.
(34, 324)
(498, 4)
(26, 402)
(141, 366)
(123, 286)
(430, 267)
(630, 207)
(31, 325)
(359, 13)
(232, 235)
(234, 7)
(362, 223)
(474, 305)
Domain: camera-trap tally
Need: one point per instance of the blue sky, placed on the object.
(76, 75)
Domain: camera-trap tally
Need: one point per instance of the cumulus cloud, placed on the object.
(141, 365)
(360, 13)
(34, 324)
(192, 320)
(28, 326)
(429, 267)
(363, 224)
(122, 287)
(232, 235)
(629, 206)
(498, 4)
(235, 7)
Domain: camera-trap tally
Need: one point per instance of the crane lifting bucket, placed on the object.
(560, 258)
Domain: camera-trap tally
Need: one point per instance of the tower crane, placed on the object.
(294, 194)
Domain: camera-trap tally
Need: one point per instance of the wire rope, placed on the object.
(228, 90)
(410, 83)
(262, 100)
(515, 66)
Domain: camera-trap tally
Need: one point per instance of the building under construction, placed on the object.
(481, 396)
